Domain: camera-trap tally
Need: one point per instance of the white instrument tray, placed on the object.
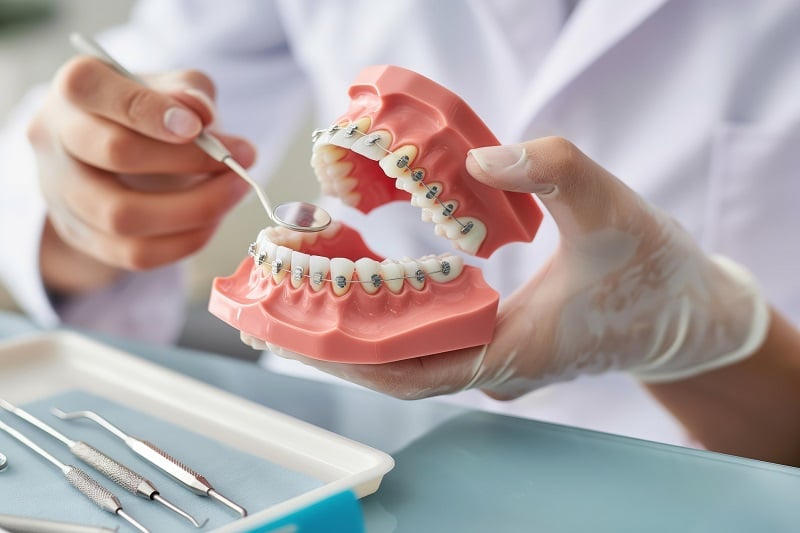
(37, 366)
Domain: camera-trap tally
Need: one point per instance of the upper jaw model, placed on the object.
(327, 295)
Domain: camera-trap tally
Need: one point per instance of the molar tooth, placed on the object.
(318, 269)
(373, 145)
(471, 241)
(397, 163)
(345, 137)
(299, 268)
(413, 273)
(369, 277)
(450, 267)
(392, 274)
(341, 273)
(282, 263)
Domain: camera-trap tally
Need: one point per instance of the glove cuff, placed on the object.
(663, 371)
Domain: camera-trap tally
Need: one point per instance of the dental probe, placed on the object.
(116, 472)
(24, 524)
(297, 216)
(97, 494)
(158, 457)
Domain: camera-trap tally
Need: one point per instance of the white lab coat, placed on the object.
(693, 103)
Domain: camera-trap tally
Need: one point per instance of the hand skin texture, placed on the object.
(126, 189)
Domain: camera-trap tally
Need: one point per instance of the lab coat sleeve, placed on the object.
(261, 94)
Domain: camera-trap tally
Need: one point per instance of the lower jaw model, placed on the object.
(326, 295)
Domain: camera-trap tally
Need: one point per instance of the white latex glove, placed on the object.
(627, 289)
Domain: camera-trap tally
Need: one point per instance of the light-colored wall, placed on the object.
(31, 54)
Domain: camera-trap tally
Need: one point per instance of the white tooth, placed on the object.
(326, 188)
(413, 273)
(367, 269)
(441, 213)
(429, 264)
(469, 242)
(350, 199)
(426, 214)
(343, 186)
(258, 344)
(345, 140)
(266, 256)
(337, 170)
(392, 274)
(405, 183)
(341, 273)
(318, 268)
(282, 263)
(397, 163)
(373, 145)
(450, 267)
(323, 141)
(285, 237)
(426, 197)
(299, 268)
(331, 154)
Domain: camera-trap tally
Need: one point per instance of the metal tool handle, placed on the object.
(98, 494)
(170, 465)
(37, 525)
(113, 470)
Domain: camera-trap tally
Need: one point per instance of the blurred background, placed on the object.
(33, 44)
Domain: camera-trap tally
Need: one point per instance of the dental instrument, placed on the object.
(113, 470)
(3, 462)
(297, 216)
(37, 525)
(86, 485)
(158, 457)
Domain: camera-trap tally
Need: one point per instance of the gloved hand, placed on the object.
(125, 187)
(627, 290)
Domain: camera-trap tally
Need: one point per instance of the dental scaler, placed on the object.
(157, 457)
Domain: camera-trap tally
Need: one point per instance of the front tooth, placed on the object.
(413, 273)
(283, 260)
(299, 268)
(368, 271)
(318, 268)
(398, 162)
(324, 138)
(392, 274)
(346, 136)
(373, 145)
(426, 196)
(341, 273)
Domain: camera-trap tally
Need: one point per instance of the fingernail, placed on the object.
(181, 122)
(496, 160)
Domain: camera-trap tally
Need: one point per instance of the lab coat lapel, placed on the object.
(594, 28)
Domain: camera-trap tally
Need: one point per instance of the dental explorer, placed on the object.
(158, 457)
(297, 216)
(113, 470)
(86, 485)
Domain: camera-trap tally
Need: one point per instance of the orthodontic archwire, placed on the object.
(418, 174)
(317, 279)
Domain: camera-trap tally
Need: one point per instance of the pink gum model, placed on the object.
(403, 136)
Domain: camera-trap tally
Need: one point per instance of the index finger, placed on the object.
(96, 88)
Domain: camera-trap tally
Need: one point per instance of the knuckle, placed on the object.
(136, 104)
(77, 79)
(118, 218)
(565, 156)
(200, 80)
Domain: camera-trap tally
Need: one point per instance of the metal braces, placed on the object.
(376, 281)
(417, 174)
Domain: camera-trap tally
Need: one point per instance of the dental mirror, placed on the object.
(297, 216)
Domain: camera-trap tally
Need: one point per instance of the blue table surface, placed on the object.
(463, 470)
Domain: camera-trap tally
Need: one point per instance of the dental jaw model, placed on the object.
(327, 295)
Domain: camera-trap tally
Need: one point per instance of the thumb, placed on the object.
(580, 194)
